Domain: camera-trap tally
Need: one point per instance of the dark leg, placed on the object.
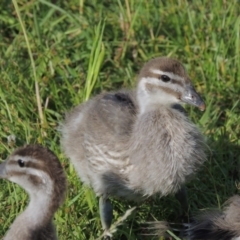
(181, 196)
(106, 215)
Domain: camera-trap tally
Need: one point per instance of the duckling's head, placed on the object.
(37, 170)
(164, 81)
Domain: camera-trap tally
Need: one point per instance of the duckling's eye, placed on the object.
(165, 78)
(21, 163)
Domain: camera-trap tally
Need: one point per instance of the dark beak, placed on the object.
(191, 97)
(3, 173)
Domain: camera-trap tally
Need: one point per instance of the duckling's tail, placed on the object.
(216, 225)
(210, 225)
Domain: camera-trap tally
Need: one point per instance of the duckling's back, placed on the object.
(95, 135)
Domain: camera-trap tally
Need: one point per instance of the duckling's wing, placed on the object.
(105, 119)
(116, 111)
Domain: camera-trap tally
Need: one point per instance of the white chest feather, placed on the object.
(166, 149)
(36, 212)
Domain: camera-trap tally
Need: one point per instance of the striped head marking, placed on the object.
(34, 168)
(165, 81)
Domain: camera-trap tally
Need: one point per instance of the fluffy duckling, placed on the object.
(137, 143)
(217, 225)
(37, 170)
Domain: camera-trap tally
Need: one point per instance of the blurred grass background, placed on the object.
(56, 54)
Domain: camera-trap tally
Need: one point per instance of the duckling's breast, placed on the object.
(166, 149)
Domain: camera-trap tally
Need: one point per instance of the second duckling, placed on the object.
(37, 170)
(217, 225)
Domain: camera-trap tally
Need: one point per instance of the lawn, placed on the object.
(56, 54)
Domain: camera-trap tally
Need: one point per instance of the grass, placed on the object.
(56, 54)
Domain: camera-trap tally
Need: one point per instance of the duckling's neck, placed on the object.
(36, 219)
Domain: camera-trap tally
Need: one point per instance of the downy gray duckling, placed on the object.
(137, 143)
(37, 170)
(217, 225)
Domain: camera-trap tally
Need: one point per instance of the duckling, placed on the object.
(137, 143)
(37, 170)
(217, 225)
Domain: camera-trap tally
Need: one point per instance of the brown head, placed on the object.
(35, 168)
(165, 81)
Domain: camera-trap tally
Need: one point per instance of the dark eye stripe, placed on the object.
(177, 82)
(29, 164)
(152, 87)
(173, 81)
(32, 178)
(165, 78)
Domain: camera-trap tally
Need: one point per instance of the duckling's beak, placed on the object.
(3, 173)
(191, 97)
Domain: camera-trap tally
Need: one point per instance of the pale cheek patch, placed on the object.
(153, 86)
(30, 179)
(152, 92)
(39, 174)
